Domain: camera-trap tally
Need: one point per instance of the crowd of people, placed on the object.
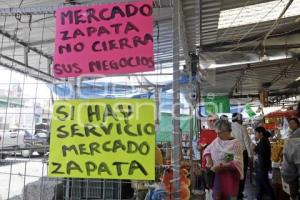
(228, 151)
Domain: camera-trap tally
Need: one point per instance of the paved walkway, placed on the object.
(251, 191)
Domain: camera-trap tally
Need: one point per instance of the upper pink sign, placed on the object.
(104, 39)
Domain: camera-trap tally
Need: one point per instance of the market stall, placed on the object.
(277, 123)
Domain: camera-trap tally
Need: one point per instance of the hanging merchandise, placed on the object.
(249, 111)
(185, 183)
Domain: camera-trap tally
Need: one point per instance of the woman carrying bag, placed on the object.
(224, 156)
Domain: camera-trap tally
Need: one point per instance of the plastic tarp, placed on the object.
(166, 126)
(98, 89)
(233, 109)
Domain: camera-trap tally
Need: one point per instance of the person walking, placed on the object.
(263, 163)
(240, 132)
(206, 137)
(291, 159)
(224, 156)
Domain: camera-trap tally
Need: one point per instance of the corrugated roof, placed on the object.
(227, 46)
(248, 79)
(212, 35)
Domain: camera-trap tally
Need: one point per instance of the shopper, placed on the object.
(224, 117)
(291, 159)
(240, 132)
(207, 136)
(263, 163)
(294, 126)
(224, 156)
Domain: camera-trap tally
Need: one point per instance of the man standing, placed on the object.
(206, 137)
(291, 159)
(240, 132)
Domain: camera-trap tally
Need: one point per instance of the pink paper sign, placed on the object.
(104, 39)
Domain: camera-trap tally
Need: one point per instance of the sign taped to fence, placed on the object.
(104, 39)
(103, 138)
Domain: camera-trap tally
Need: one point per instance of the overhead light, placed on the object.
(265, 58)
(298, 79)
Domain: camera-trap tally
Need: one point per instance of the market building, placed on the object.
(149, 99)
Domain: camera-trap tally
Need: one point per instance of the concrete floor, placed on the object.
(251, 191)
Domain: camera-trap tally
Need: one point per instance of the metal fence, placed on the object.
(28, 90)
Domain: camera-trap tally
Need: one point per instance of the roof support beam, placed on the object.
(271, 94)
(238, 81)
(31, 44)
(25, 44)
(266, 64)
(281, 74)
(26, 67)
(253, 47)
(26, 55)
(288, 40)
(25, 72)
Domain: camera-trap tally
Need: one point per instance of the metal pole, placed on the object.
(49, 63)
(176, 103)
(191, 141)
(26, 55)
(70, 181)
(157, 101)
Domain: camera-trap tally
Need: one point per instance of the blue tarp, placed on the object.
(108, 90)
